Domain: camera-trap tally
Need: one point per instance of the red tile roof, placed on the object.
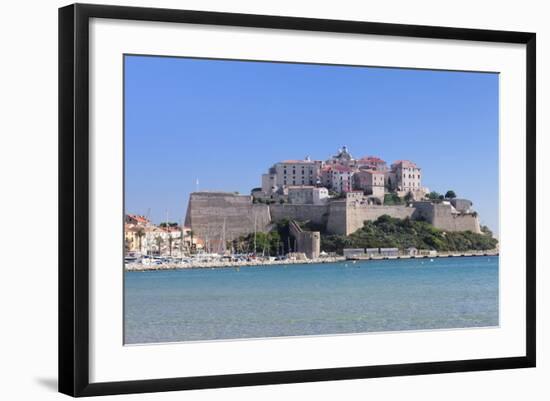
(405, 163)
(371, 159)
(138, 218)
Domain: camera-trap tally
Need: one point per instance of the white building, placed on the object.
(320, 196)
(307, 195)
(296, 172)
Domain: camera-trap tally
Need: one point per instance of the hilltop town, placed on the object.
(303, 200)
(316, 181)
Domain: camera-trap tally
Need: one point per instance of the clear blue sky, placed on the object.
(226, 122)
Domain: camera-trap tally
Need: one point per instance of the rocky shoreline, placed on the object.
(225, 264)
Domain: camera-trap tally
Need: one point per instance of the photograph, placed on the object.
(278, 199)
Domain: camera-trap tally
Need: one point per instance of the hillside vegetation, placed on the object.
(389, 232)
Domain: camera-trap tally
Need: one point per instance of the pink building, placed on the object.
(341, 178)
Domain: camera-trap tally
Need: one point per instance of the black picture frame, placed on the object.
(74, 199)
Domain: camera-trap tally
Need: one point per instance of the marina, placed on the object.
(219, 261)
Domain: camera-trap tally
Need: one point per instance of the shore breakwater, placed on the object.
(222, 264)
(332, 259)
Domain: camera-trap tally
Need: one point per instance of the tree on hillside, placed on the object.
(392, 199)
(433, 195)
(450, 194)
(260, 243)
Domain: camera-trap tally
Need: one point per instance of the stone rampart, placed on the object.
(337, 217)
(210, 214)
(445, 220)
(215, 215)
(307, 242)
(317, 214)
(357, 215)
(442, 216)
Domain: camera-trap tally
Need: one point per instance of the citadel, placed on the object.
(309, 181)
(338, 194)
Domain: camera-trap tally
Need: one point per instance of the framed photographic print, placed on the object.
(250, 199)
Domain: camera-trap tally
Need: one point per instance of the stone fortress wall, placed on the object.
(209, 213)
(317, 214)
(356, 215)
(308, 242)
(440, 216)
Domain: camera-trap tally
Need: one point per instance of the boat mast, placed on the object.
(255, 218)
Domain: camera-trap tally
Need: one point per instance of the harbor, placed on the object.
(219, 261)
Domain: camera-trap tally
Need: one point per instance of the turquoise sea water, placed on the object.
(272, 301)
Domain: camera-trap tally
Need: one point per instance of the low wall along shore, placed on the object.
(210, 214)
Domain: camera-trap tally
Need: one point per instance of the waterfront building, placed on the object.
(353, 252)
(371, 252)
(136, 220)
(389, 252)
(411, 251)
(132, 237)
